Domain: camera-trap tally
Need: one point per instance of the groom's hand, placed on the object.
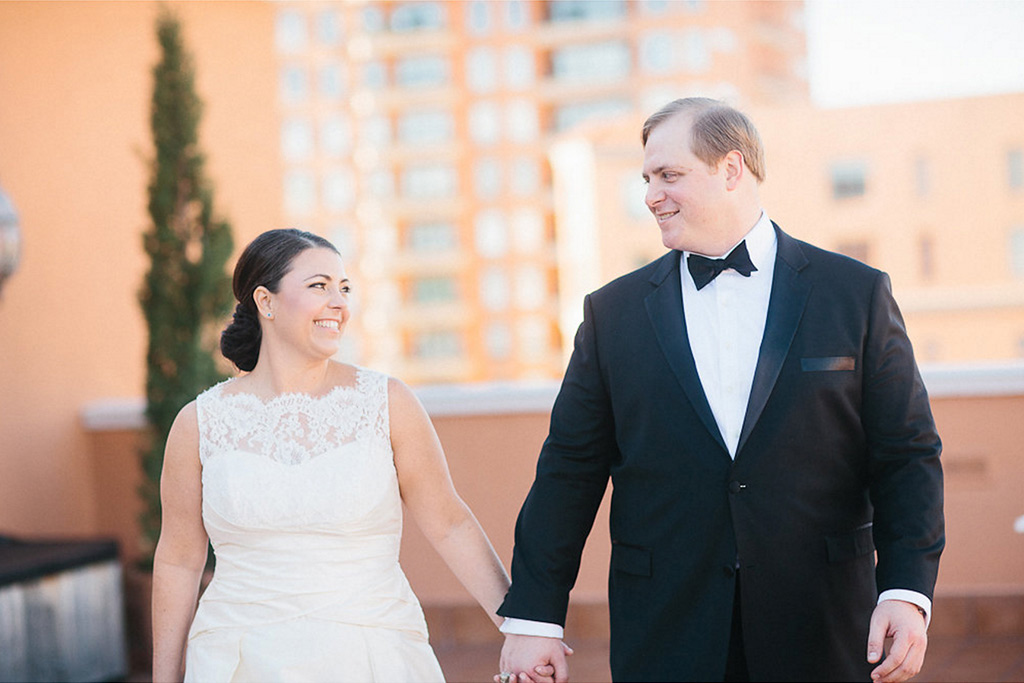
(535, 658)
(902, 622)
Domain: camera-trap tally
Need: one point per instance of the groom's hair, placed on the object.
(716, 130)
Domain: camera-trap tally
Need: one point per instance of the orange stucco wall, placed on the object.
(74, 142)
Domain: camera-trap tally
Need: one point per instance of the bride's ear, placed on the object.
(263, 299)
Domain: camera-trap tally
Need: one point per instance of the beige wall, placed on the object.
(75, 85)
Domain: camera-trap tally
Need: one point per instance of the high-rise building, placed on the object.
(416, 135)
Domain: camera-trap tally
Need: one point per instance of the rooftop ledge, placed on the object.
(943, 380)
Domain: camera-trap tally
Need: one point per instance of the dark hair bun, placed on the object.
(240, 341)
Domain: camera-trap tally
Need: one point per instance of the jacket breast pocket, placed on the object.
(851, 544)
(828, 364)
(631, 559)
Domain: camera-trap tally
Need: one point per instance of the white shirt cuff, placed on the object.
(525, 627)
(913, 597)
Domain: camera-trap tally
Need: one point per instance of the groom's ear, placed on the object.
(734, 167)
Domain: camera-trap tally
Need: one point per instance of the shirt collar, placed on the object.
(760, 243)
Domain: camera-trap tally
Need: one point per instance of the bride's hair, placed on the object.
(262, 264)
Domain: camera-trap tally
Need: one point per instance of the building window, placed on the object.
(335, 136)
(696, 56)
(572, 114)
(855, 249)
(418, 16)
(848, 179)
(377, 131)
(528, 230)
(339, 190)
(656, 52)
(429, 181)
(296, 139)
(432, 237)
(1015, 168)
(1017, 251)
(484, 123)
(525, 177)
(531, 288)
(520, 68)
(589, 62)
(434, 290)
(498, 340)
(426, 127)
(373, 19)
(482, 70)
(494, 289)
(437, 344)
(374, 75)
(424, 71)
(328, 27)
(534, 338)
(332, 81)
(521, 121)
(491, 234)
(344, 238)
(487, 178)
(299, 192)
(294, 85)
(516, 15)
(290, 32)
(478, 15)
(587, 10)
(381, 184)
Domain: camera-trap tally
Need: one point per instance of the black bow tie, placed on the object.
(703, 270)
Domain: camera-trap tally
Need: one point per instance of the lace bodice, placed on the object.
(293, 428)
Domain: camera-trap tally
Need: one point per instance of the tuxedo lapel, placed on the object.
(785, 308)
(665, 309)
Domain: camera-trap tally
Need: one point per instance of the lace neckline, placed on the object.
(287, 397)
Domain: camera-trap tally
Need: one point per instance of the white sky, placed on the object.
(876, 51)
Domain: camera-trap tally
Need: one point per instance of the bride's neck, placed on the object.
(274, 376)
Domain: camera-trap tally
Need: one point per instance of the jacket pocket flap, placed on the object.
(846, 546)
(828, 363)
(631, 559)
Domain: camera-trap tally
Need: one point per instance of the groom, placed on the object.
(756, 404)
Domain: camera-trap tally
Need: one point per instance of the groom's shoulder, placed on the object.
(641, 279)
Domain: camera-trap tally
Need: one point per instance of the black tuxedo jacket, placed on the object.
(838, 458)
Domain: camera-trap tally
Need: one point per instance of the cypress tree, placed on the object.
(186, 293)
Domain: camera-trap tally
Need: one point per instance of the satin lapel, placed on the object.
(785, 308)
(665, 309)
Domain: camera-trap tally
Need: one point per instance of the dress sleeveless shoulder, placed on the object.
(302, 507)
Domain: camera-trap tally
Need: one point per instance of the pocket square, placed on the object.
(828, 363)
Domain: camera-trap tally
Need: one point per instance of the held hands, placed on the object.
(906, 626)
(534, 658)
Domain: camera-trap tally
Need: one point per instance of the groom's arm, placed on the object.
(572, 475)
(556, 518)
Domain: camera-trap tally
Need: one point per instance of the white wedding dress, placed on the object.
(301, 503)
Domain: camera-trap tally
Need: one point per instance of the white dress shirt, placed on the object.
(725, 324)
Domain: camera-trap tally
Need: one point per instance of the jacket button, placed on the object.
(736, 487)
(729, 571)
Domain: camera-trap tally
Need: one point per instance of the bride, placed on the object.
(296, 472)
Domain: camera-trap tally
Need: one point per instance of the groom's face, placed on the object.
(685, 195)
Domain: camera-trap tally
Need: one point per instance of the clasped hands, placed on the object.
(535, 659)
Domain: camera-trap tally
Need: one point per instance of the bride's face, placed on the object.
(311, 307)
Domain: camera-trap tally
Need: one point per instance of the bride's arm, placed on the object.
(181, 551)
(430, 496)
